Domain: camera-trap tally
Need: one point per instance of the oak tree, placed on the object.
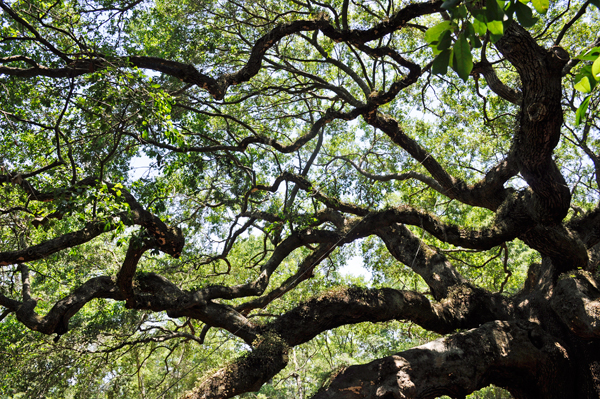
(171, 170)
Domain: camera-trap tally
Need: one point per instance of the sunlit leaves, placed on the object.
(581, 110)
(587, 80)
(462, 62)
(541, 6)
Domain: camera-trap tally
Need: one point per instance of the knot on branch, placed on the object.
(536, 112)
(560, 54)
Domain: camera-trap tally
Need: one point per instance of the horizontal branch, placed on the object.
(484, 238)
(245, 142)
(218, 86)
(507, 354)
(49, 247)
(307, 186)
(331, 310)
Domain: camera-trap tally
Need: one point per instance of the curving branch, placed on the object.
(340, 307)
(247, 141)
(540, 120)
(57, 319)
(488, 193)
(432, 183)
(507, 354)
(218, 86)
(495, 84)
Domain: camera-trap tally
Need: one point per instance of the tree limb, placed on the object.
(508, 354)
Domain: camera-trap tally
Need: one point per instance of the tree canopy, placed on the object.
(185, 186)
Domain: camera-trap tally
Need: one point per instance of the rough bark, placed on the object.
(520, 356)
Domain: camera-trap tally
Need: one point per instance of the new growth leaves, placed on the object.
(587, 80)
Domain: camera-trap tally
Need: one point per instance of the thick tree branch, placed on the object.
(435, 269)
(247, 373)
(577, 302)
(57, 319)
(541, 120)
(466, 307)
(217, 87)
(507, 354)
(488, 193)
(495, 84)
(46, 248)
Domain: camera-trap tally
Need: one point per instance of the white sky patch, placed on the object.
(140, 167)
(355, 267)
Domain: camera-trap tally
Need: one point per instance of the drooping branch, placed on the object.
(488, 193)
(137, 246)
(168, 239)
(57, 319)
(435, 269)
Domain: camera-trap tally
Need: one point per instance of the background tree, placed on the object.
(451, 146)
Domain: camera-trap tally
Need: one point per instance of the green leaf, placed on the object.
(472, 35)
(596, 69)
(496, 28)
(433, 34)
(458, 13)
(479, 24)
(541, 6)
(462, 60)
(444, 42)
(591, 54)
(596, 3)
(582, 110)
(493, 12)
(585, 85)
(441, 62)
(525, 15)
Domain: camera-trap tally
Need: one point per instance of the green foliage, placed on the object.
(203, 176)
